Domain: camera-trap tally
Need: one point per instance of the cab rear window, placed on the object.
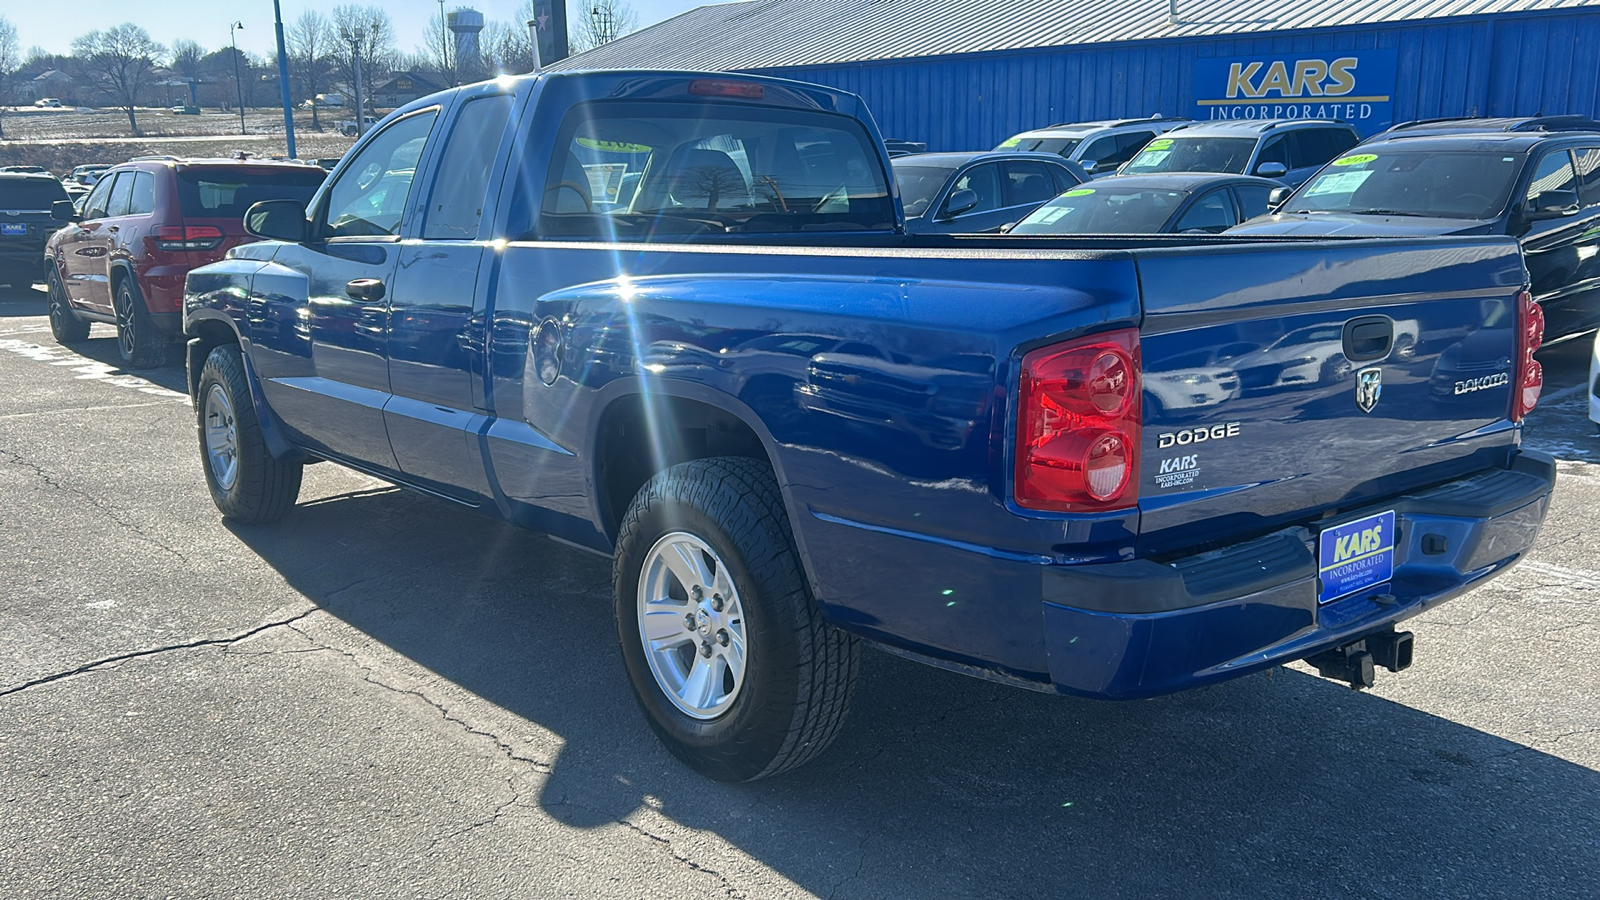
(227, 193)
(673, 172)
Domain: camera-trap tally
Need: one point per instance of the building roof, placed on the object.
(757, 34)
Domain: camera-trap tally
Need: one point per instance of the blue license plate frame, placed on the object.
(1355, 556)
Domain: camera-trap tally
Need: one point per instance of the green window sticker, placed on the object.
(1079, 192)
(612, 146)
(1009, 143)
(1357, 160)
(1159, 144)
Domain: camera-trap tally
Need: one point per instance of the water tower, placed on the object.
(465, 23)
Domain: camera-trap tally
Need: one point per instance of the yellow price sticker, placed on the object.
(1159, 144)
(613, 146)
(1079, 192)
(1356, 160)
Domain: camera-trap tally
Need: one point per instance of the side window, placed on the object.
(1101, 150)
(1064, 179)
(985, 182)
(1129, 145)
(121, 192)
(1028, 182)
(1588, 174)
(1554, 174)
(95, 206)
(369, 196)
(1338, 141)
(1253, 199)
(455, 206)
(1276, 150)
(142, 202)
(1212, 213)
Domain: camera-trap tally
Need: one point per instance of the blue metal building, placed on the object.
(965, 74)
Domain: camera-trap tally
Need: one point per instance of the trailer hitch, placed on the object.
(1356, 663)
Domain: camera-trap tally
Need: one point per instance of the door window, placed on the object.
(1064, 179)
(1129, 145)
(121, 192)
(1554, 174)
(95, 206)
(1212, 213)
(983, 181)
(455, 206)
(1101, 150)
(1588, 174)
(1252, 199)
(1028, 182)
(142, 202)
(369, 197)
(1315, 146)
(1276, 151)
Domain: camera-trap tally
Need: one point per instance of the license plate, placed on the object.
(13, 228)
(1355, 556)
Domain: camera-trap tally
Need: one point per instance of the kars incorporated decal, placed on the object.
(1355, 87)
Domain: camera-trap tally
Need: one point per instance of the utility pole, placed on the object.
(356, 37)
(238, 81)
(283, 79)
(444, 44)
(533, 37)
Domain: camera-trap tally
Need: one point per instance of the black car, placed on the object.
(973, 193)
(1184, 202)
(25, 224)
(1536, 179)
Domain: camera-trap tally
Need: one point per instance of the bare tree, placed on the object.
(437, 55)
(370, 29)
(506, 48)
(311, 43)
(10, 62)
(187, 57)
(596, 22)
(121, 61)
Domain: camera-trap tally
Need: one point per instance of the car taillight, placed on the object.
(188, 237)
(745, 89)
(1078, 425)
(1530, 375)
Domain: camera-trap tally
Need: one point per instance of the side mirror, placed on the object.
(1090, 165)
(1272, 170)
(277, 220)
(959, 202)
(1278, 197)
(1554, 204)
(62, 211)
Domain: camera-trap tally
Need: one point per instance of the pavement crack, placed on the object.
(154, 651)
(115, 515)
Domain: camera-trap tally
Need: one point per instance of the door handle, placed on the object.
(113, 228)
(365, 289)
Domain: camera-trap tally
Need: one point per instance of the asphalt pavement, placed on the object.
(385, 696)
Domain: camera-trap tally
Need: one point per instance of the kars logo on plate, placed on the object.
(1369, 387)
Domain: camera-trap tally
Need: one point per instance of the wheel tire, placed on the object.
(65, 325)
(799, 671)
(138, 341)
(259, 488)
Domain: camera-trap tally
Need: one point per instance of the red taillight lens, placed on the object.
(1530, 375)
(188, 237)
(1078, 425)
(745, 89)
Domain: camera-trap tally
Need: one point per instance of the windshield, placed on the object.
(1060, 146)
(1101, 210)
(225, 193)
(1194, 154)
(1446, 184)
(919, 185)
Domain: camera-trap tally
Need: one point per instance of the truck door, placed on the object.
(340, 290)
(438, 307)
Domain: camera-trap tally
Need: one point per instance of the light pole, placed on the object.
(238, 81)
(356, 36)
(283, 79)
(533, 36)
(444, 44)
(604, 22)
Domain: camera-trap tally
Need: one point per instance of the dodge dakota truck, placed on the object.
(675, 318)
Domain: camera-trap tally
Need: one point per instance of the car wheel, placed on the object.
(65, 326)
(141, 345)
(248, 485)
(727, 652)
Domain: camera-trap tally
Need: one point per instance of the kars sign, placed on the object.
(1355, 87)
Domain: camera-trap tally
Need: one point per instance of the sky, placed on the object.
(54, 25)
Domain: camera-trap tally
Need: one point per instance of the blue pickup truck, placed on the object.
(675, 318)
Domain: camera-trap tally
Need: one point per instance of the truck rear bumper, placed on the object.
(1141, 628)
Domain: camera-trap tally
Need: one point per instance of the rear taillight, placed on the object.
(188, 237)
(1530, 375)
(1078, 425)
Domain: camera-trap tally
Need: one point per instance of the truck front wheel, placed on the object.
(729, 656)
(248, 485)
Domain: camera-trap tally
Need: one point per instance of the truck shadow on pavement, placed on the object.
(945, 786)
(20, 302)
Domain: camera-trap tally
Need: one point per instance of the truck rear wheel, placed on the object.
(728, 654)
(248, 485)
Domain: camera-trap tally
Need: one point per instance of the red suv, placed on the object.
(144, 226)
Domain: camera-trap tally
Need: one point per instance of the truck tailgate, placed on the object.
(1270, 397)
